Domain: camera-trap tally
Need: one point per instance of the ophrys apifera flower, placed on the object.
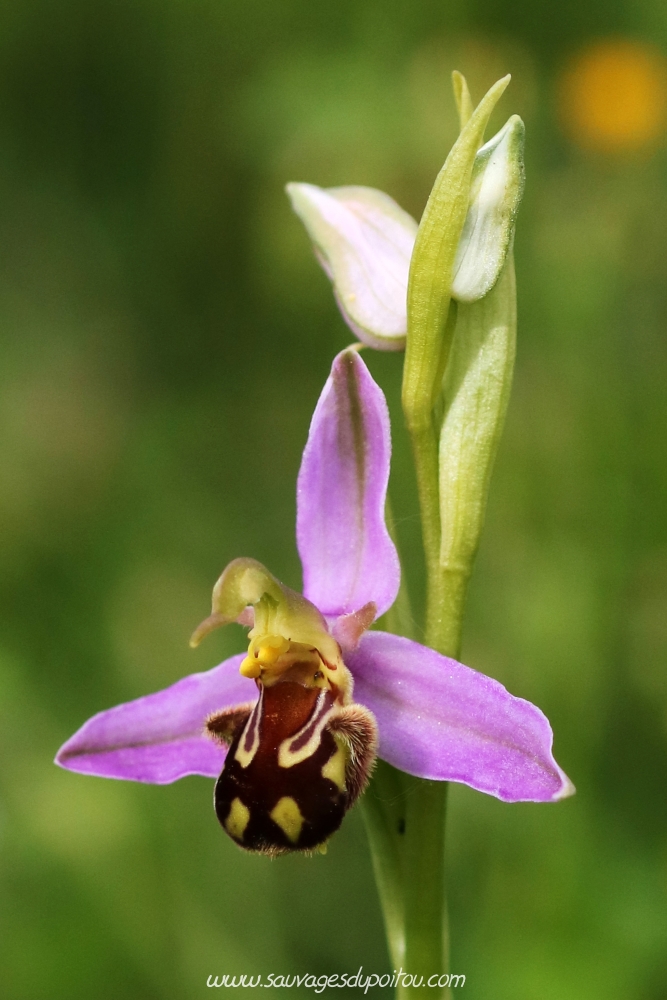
(291, 727)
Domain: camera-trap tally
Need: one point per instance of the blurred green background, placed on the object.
(165, 334)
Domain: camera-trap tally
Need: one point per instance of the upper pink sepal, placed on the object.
(347, 555)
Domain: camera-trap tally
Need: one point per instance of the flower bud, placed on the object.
(365, 241)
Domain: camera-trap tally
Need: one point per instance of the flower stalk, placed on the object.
(457, 378)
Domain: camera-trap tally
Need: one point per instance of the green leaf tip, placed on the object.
(462, 97)
(433, 258)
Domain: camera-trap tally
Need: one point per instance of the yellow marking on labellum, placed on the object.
(297, 748)
(237, 820)
(287, 815)
(334, 769)
(248, 745)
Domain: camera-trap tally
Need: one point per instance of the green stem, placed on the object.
(445, 608)
(405, 823)
(425, 908)
(426, 933)
(425, 453)
(422, 845)
(383, 808)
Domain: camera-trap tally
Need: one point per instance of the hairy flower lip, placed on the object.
(437, 718)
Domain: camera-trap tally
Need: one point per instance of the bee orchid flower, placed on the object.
(291, 728)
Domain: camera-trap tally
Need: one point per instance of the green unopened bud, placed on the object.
(495, 193)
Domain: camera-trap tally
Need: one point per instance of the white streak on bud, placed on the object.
(495, 193)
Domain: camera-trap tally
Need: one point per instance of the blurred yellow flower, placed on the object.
(612, 96)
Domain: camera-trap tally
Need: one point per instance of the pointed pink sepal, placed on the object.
(439, 719)
(347, 555)
(160, 738)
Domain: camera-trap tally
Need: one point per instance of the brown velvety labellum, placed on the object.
(272, 796)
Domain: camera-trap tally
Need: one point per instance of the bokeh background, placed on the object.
(165, 334)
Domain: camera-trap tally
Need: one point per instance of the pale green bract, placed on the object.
(476, 392)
